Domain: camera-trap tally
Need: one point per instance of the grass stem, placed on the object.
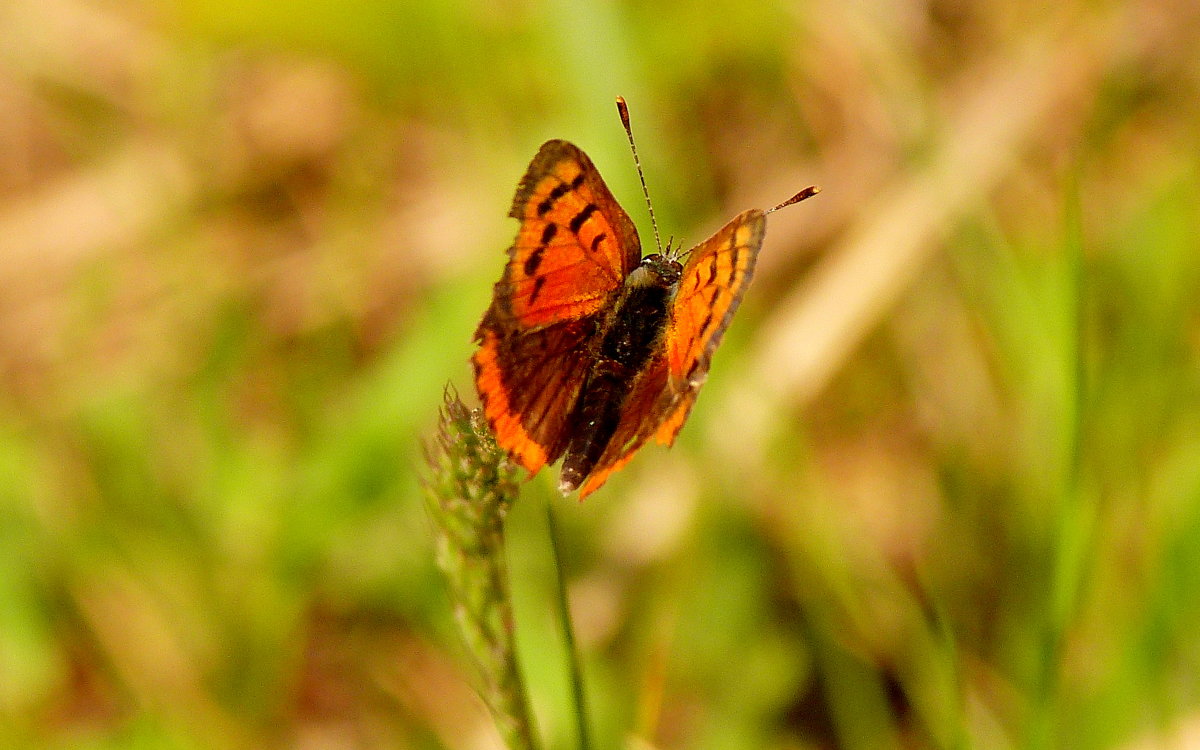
(564, 615)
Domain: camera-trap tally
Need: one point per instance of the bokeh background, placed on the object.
(941, 491)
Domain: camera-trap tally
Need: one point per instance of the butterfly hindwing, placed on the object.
(573, 250)
(529, 383)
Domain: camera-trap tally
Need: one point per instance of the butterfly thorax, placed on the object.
(629, 338)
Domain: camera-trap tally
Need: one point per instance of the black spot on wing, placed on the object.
(537, 289)
(535, 258)
(708, 319)
(557, 192)
(582, 217)
(712, 270)
(733, 261)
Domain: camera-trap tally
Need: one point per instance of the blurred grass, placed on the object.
(941, 490)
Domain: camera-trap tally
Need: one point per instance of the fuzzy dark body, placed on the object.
(630, 337)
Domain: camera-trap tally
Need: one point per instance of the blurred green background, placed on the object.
(941, 491)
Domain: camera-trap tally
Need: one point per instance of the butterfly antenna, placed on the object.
(807, 192)
(623, 109)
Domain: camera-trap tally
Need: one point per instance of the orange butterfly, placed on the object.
(589, 349)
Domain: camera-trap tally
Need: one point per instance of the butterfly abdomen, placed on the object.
(631, 337)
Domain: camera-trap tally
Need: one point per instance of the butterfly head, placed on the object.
(657, 270)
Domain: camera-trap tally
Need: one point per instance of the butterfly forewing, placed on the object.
(714, 279)
(575, 245)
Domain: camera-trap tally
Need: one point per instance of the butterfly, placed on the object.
(588, 349)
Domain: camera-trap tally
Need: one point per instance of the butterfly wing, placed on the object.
(575, 246)
(572, 252)
(528, 382)
(709, 292)
(714, 279)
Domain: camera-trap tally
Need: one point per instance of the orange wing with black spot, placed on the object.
(714, 279)
(709, 292)
(575, 246)
(573, 251)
